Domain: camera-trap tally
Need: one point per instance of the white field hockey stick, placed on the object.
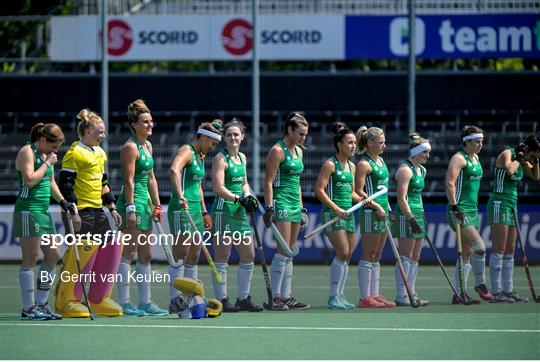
(164, 243)
(279, 238)
(209, 259)
(382, 190)
(78, 262)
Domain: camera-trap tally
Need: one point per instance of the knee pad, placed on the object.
(478, 248)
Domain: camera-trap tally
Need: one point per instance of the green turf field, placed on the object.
(439, 331)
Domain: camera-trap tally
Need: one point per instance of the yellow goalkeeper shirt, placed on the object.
(89, 164)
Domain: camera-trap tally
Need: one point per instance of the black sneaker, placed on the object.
(516, 297)
(228, 307)
(468, 300)
(292, 303)
(45, 309)
(176, 305)
(246, 305)
(277, 304)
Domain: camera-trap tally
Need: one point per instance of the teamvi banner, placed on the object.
(318, 249)
(77, 38)
(444, 36)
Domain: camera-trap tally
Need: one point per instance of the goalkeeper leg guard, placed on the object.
(105, 267)
(107, 307)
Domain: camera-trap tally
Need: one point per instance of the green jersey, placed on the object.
(36, 198)
(287, 183)
(379, 176)
(505, 188)
(416, 185)
(143, 166)
(191, 178)
(235, 175)
(468, 184)
(340, 186)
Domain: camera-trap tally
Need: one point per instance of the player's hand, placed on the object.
(207, 220)
(157, 213)
(457, 213)
(367, 204)
(341, 213)
(131, 219)
(183, 202)
(268, 216)
(415, 227)
(68, 207)
(249, 202)
(50, 159)
(520, 152)
(304, 219)
(117, 218)
(76, 219)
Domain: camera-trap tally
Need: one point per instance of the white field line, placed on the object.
(284, 328)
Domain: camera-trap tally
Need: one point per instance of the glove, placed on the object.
(268, 216)
(457, 212)
(304, 222)
(415, 228)
(68, 207)
(207, 220)
(392, 218)
(520, 152)
(249, 202)
(157, 213)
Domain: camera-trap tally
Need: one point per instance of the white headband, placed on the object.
(209, 134)
(473, 136)
(420, 148)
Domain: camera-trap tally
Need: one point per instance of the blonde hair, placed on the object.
(51, 131)
(88, 120)
(135, 109)
(364, 134)
(416, 139)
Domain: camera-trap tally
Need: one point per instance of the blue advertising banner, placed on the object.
(444, 36)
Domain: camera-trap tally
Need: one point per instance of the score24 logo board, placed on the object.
(237, 37)
(120, 37)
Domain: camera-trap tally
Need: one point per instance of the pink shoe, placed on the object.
(387, 303)
(369, 302)
(484, 293)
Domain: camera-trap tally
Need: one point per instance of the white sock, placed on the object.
(124, 268)
(411, 277)
(220, 289)
(145, 272)
(46, 275)
(277, 270)
(364, 278)
(478, 262)
(174, 273)
(337, 269)
(466, 271)
(244, 273)
(508, 273)
(495, 271)
(26, 281)
(343, 278)
(191, 271)
(287, 279)
(375, 276)
(400, 286)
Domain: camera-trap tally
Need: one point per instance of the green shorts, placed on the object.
(370, 223)
(348, 224)
(284, 212)
(29, 224)
(227, 223)
(402, 226)
(179, 222)
(470, 218)
(143, 221)
(500, 212)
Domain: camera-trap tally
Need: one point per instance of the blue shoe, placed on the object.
(335, 303)
(45, 309)
(346, 303)
(152, 309)
(129, 310)
(34, 314)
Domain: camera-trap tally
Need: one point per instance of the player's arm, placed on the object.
(404, 175)
(504, 160)
(457, 162)
(219, 165)
(152, 183)
(245, 186)
(128, 157)
(180, 161)
(531, 169)
(355, 196)
(274, 158)
(25, 164)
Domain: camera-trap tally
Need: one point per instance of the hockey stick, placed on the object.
(460, 262)
(263, 261)
(209, 259)
(525, 261)
(279, 238)
(164, 243)
(78, 262)
(382, 190)
(432, 246)
(400, 267)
